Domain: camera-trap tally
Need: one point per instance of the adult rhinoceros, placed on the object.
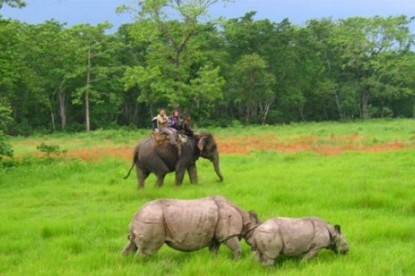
(189, 225)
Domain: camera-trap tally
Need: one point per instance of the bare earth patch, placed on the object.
(333, 145)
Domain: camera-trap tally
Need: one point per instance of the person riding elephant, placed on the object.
(186, 128)
(175, 121)
(164, 128)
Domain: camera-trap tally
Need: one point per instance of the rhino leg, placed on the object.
(234, 245)
(310, 254)
(268, 246)
(214, 247)
(129, 248)
(149, 245)
(265, 260)
(149, 237)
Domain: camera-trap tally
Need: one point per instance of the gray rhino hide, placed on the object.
(190, 224)
(185, 225)
(290, 237)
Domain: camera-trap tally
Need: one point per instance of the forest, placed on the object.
(223, 72)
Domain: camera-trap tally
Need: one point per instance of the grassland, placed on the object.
(69, 215)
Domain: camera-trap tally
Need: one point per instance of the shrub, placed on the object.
(5, 148)
(50, 150)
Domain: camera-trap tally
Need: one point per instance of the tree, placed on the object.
(5, 119)
(174, 63)
(363, 42)
(13, 3)
(90, 42)
(251, 87)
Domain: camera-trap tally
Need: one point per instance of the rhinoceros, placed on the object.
(189, 225)
(294, 237)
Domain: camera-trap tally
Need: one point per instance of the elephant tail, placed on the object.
(135, 158)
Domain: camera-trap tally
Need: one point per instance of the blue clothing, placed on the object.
(174, 122)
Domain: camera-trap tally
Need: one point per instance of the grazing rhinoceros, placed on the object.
(294, 237)
(189, 225)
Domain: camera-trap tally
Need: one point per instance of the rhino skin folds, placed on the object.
(189, 225)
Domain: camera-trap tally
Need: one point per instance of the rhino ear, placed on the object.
(338, 228)
(253, 216)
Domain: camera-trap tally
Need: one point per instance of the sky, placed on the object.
(297, 11)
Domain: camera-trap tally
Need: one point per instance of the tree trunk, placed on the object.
(365, 104)
(88, 84)
(339, 108)
(62, 107)
(413, 107)
(265, 112)
(52, 116)
(301, 111)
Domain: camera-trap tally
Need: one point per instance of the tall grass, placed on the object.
(70, 217)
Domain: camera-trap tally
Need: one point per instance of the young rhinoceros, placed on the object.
(295, 237)
(189, 225)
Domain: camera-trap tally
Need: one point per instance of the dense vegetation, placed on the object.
(240, 70)
(65, 216)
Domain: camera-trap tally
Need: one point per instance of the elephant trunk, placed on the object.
(215, 162)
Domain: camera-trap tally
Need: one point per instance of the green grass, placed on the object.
(70, 217)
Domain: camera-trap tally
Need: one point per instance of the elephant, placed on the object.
(189, 225)
(295, 237)
(161, 158)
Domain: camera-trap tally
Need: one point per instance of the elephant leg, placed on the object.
(179, 176)
(160, 179)
(142, 176)
(214, 247)
(234, 245)
(192, 171)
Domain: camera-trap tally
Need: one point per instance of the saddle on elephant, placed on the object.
(162, 138)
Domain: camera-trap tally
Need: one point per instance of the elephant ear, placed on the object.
(201, 143)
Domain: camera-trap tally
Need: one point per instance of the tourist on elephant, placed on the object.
(162, 122)
(175, 121)
(187, 129)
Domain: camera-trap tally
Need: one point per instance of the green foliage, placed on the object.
(13, 3)
(5, 119)
(5, 148)
(50, 150)
(56, 77)
(251, 87)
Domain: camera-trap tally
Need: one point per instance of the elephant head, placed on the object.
(208, 149)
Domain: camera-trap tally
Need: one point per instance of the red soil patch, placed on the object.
(93, 154)
(333, 145)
